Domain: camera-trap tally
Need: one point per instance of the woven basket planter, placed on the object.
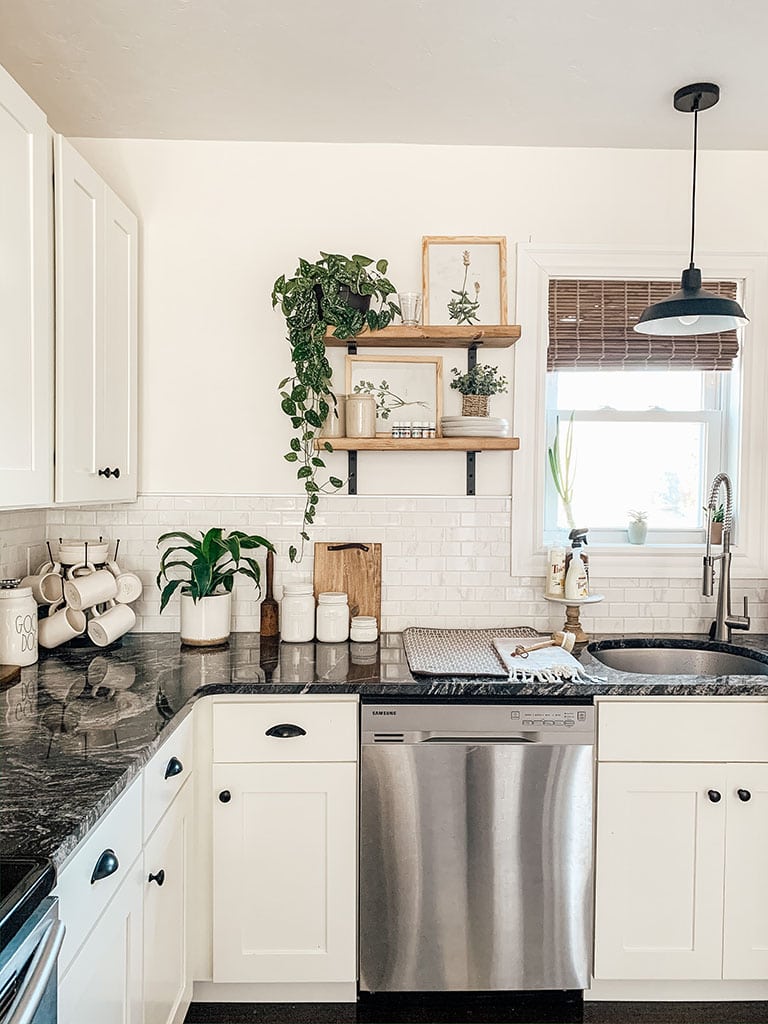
(475, 405)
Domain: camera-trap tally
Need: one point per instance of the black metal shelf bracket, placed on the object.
(471, 456)
(351, 456)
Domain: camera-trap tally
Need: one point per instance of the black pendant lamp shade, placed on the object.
(692, 310)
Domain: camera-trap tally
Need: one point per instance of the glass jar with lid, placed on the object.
(297, 613)
(332, 618)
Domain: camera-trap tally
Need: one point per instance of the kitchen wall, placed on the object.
(221, 220)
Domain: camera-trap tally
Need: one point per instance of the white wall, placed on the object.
(222, 220)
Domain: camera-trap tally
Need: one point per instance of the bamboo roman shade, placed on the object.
(591, 321)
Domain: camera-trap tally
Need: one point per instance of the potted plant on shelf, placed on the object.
(716, 524)
(476, 387)
(333, 292)
(208, 568)
(562, 466)
(637, 529)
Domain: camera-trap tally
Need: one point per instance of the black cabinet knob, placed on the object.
(174, 767)
(159, 877)
(225, 796)
(285, 731)
(106, 865)
(714, 796)
(744, 795)
(110, 472)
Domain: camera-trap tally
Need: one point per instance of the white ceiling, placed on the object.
(493, 72)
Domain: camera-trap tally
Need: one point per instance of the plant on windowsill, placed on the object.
(716, 524)
(637, 529)
(334, 292)
(208, 568)
(562, 466)
(476, 387)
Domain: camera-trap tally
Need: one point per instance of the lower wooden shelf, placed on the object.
(418, 444)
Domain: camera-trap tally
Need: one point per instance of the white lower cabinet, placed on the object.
(166, 901)
(103, 983)
(285, 872)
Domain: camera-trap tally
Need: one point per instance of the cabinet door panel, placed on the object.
(79, 323)
(745, 936)
(285, 885)
(26, 300)
(165, 912)
(103, 983)
(659, 871)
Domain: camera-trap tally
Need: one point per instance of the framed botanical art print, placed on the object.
(464, 279)
(405, 387)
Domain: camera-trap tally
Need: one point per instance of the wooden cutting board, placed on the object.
(9, 674)
(353, 569)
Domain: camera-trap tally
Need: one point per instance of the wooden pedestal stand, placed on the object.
(572, 609)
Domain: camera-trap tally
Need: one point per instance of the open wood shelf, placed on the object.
(398, 336)
(418, 444)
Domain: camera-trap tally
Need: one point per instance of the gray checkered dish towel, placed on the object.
(459, 652)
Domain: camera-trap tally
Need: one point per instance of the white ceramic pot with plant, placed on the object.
(476, 387)
(637, 529)
(205, 569)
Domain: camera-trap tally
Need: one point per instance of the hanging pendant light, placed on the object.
(693, 310)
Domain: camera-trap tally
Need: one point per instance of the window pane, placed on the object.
(652, 467)
(626, 390)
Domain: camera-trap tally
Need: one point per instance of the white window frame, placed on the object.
(747, 457)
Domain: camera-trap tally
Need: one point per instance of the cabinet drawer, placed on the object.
(166, 773)
(81, 900)
(314, 731)
(680, 730)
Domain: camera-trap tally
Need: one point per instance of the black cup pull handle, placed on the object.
(714, 796)
(110, 472)
(159, 877)
(106, 865)
(348, 547)
(116, 472)
(225, 796)
(744, 795)
(174, 767)
(286, 731)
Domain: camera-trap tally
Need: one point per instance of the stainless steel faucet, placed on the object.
(725, 620)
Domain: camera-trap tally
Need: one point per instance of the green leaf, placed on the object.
(381, 266)
(296, 444)
(182, 536)
(292, 552)
(328, 446)
(335, 482)
(303, 472)
(168, 592)
(304, 535)
(291, 457)
(202, 574)
(311, 417)
(282, 383)
(318, 462)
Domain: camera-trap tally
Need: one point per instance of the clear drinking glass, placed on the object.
(410, 308)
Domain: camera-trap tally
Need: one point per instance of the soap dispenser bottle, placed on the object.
(577, 575)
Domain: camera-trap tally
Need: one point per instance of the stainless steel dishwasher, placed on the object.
(476, 847)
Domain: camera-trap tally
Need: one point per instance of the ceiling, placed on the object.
(488, 72)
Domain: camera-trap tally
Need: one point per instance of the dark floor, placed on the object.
(538, 1008)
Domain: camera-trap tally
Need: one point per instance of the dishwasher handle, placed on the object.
(41, 970)
(474, 738)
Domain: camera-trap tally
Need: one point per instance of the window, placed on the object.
(703, 393)
(649, 416)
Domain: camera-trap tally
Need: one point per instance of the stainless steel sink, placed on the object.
(685, 658)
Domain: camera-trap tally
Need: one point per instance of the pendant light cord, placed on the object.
(693, 187)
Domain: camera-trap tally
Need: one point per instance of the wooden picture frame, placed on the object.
(401, 384)
(437, 289)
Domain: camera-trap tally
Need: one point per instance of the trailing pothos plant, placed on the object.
(208, 564)
(319, 296)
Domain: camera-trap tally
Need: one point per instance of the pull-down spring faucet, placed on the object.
(725, 620)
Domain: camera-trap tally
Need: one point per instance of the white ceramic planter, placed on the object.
(208, 622)
(637, 532)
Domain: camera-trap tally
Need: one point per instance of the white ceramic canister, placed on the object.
(335, 423)
(332, 618)
(18, 627)
(364, 629)
(361, 416)
(297, 613)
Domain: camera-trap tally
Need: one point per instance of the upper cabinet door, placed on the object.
(26, 308)
(96, 335)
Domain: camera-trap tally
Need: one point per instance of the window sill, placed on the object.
(646, 561)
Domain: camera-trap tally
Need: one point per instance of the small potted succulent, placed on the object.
(476, 387)
(716, 525)
(207, 569)
(637, 530)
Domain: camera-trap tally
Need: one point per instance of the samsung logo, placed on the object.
(384, 712)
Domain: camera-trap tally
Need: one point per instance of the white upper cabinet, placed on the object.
(26, 310)
(96, 335)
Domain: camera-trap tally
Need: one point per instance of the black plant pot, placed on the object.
(348, 297)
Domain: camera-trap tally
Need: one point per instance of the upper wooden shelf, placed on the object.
(386, 443)
(398, 336)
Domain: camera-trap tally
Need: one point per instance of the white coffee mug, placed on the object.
(107, 626)
(46, 587)
(63, 625)
(48, 567)
(98, 587)
(129, 585)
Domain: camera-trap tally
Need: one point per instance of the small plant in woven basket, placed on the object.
(476, 387)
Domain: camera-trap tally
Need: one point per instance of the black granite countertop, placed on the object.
(81, 723)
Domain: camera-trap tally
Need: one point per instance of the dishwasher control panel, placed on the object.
(445, 723)
(549, 718)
